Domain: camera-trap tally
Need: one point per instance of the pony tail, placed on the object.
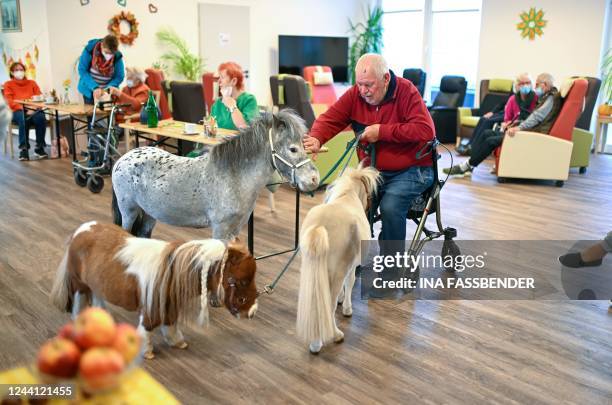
(61, 296)
(314, 316)
(115, 209)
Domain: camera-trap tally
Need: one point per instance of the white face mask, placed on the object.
(226, 91)
(130, 83)
(19, 74)
(107, 56)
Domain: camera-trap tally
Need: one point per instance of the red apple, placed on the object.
(94, 327)
(59, 357)
(100, 368)
(67, 331)
(127, 342)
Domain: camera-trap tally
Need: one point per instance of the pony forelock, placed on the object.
(353, 179)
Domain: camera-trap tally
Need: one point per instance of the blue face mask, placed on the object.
(525, 89)
(539, 91)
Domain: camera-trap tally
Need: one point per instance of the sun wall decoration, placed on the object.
(532, 23)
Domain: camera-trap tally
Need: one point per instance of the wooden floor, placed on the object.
(394, 351)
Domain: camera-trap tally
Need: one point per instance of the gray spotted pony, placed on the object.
(216, 190)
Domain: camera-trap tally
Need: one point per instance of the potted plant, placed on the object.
(367, 38)
(606, 107)
(184, 63)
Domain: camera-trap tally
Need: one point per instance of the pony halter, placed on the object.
(276, 155)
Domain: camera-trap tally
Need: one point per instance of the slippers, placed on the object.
(574, 260)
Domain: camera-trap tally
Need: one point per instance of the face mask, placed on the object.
(18, 74)
(539, 91)
(226, 91)
(525, 89)
(107, 56)
(130, 83)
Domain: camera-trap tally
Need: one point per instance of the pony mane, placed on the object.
(184, 278)
(253, 140)
(352, 181)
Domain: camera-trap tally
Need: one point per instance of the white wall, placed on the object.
(67, 26)
(34, 29)
(570, 45)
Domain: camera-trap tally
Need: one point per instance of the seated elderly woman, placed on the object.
(21, 88)
(135, 93)
(235, 108)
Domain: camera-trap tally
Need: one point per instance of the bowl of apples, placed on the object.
(93, 351)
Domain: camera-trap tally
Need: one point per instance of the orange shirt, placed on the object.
(19, 90)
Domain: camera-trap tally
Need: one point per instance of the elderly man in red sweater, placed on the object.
(394, 120)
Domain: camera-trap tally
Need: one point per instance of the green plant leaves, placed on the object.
(367, 38)
(179, 57)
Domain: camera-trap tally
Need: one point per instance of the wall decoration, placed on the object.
(122, 3)
(28, 55)
(114, 26)
(11, 15)
(532, 23)
(84, 2)
(152, 8)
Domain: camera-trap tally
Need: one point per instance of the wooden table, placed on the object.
(137, 387)
(601, 121)
(76, 113)
(171, 129)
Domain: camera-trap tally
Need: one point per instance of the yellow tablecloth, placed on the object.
(138, 387)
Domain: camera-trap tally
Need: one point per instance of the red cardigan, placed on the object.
(135, 96)
(405, 124)
(19, 90)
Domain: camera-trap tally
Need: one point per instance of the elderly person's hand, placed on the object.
(371, 133)
(512, 131)
(114, 91)
(229, 102)
(312, 145)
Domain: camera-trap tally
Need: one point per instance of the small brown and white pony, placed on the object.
(167, 282)
(331, 248)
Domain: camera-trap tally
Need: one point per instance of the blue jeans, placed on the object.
(40, 125)
(395, 196)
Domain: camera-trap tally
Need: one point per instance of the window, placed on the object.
(403, 34)
(438, 36)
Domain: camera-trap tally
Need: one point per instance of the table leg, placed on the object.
(251, 233)
(73, 139)
(127, 139)
(598, 126)
(57, 134)
(297, 218)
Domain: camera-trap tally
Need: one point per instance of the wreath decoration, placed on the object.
(114, 26)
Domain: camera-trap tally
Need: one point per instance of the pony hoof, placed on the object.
(348, 312)
(339, 338)
(214, 302)
(315, 348)
(148, 355)
(181, 345)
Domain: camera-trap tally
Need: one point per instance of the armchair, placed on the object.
(444, 111)
(532, 155)
(492, 93)
(321, 83)
(418, 77)
(154, 81)
(290, 91)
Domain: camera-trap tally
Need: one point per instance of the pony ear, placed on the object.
(278, 124)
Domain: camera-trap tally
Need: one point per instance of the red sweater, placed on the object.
(19, 90)
(405, 124)
(135, 96)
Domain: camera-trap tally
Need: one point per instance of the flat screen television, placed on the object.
(295, 52)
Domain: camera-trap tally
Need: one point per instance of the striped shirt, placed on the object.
(99, 77)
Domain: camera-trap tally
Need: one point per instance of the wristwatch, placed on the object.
(232, 109)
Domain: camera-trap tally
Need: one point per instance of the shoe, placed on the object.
(40, 153)
(574, 260)
(464, 150)
(457, 171)
(24, 155)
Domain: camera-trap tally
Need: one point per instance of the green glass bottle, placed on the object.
(151, 107)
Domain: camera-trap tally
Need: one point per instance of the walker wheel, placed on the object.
(80, 178)
(450, 248)
(95, 183)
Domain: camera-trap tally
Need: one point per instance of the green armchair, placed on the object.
(581, 152)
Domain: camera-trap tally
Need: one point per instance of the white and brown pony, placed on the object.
(167, 282)
(331, 248)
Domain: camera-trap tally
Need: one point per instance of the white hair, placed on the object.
(546, 78)
(137, 73)
(375, 62)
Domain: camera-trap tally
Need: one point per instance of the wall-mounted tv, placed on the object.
(295, 52)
